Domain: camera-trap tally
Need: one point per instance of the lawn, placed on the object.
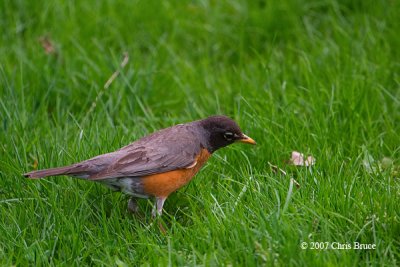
(319, 77)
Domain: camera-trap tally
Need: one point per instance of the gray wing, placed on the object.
(166, 150)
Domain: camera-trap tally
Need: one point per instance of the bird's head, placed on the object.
(222, 131)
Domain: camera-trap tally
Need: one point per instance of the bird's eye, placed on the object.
(228, 136)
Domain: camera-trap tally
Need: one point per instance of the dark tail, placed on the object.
(49, 172)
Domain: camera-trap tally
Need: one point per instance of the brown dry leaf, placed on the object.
(298, 159)
(47, 45)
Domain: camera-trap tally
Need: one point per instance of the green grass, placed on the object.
(321, 77)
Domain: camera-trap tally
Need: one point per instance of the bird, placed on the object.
(158, 164)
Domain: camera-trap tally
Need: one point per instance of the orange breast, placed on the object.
(163, 184)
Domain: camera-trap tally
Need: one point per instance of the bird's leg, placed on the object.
(157, 210)
(132, 205)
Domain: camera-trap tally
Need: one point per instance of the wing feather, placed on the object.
(166, 150)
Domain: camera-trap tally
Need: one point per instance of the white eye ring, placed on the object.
(228, 136)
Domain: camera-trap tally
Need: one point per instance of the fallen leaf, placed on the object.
(47, 45)
(298, 159)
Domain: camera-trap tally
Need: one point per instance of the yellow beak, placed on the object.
(247, 140)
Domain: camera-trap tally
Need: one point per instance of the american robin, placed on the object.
(158, 164)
